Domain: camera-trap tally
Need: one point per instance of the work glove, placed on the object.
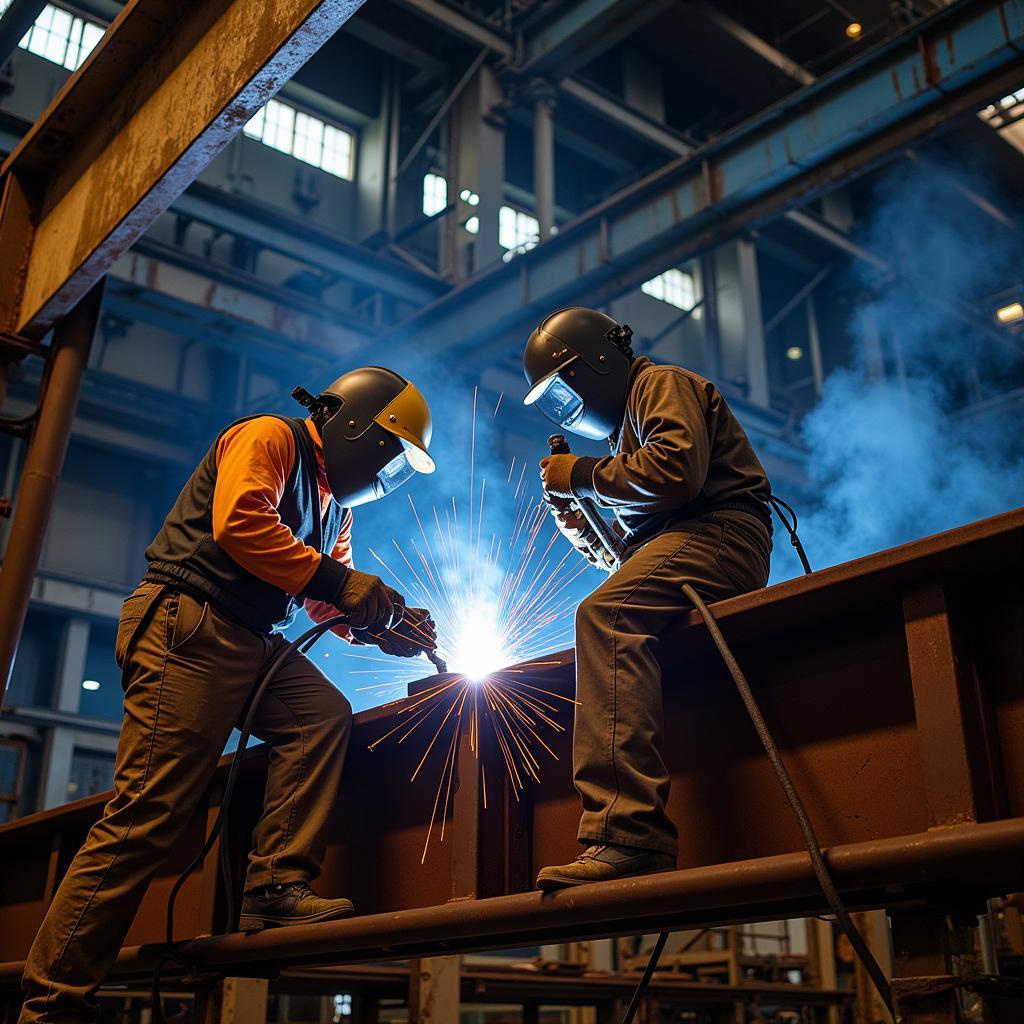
(577, 531)
(369, 604)
(556, 475)
(415, 634)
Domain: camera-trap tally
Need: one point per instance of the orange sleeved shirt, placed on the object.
(254, 461)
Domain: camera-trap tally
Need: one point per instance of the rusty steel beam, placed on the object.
(169, 85)
(869, 874)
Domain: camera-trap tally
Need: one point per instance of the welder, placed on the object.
(690, 501)
(263, 524)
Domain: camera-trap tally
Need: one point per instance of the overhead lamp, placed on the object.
(1010, 314)
(90, 684)
(854, 30)
(794, 352)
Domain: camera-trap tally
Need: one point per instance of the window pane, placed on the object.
(337, 156)
(674, 287)
(309, 139)
(279, 126)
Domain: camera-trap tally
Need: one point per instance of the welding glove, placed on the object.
(415, 634)
(577, 531)
(556, 475)
(368, 603)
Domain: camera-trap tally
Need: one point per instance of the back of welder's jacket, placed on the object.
(185, 555)
(680, 453)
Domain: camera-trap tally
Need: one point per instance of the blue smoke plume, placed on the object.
(896, 450)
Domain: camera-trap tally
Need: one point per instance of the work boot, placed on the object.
(603, 863)
(294, 903)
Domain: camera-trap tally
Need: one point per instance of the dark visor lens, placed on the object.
(559, 403)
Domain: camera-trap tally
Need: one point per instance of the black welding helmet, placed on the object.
(375, 428)
(577, 367)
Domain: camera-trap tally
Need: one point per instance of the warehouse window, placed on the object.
(517, 231)
(674, 287)
(60, 36)
(435, 194)
(304, 137)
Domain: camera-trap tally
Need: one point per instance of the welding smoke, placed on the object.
(909, 439)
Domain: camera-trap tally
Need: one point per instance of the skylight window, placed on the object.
(60, 36)
(517, 231)
(303, 136)
(435, 194)
(674, 287)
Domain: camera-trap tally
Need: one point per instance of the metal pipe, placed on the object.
(870, 874)
(16, 21)
(544, 163)
(72, 340)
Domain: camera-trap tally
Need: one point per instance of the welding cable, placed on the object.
(790, 524)
(821, 870)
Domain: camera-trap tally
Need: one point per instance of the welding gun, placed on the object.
(602, 542)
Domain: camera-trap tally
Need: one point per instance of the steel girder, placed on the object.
(813, 140)
(582, 32)
(166, 89)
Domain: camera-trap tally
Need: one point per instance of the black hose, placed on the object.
(652, 963)
(821, 871)
(790, 525)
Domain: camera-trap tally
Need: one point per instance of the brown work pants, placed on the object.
(187, 674)
(618, 760)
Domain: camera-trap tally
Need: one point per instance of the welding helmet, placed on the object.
(375, 427)
(577, 368)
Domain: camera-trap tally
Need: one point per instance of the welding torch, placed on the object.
(604, 545)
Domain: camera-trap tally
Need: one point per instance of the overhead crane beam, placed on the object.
(169, 85)
(811, 141)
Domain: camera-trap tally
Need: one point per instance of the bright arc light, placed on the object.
(480, 647)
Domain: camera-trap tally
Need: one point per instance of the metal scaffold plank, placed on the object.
(820, 136)
(167, 88)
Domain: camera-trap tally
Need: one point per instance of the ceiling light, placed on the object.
(90, 684)
(1010, 314)
(794, 352)
(854, 30)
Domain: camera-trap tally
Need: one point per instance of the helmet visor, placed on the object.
(557, 401)
(394, 474)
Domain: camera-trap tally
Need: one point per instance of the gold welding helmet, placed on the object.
(375, 427)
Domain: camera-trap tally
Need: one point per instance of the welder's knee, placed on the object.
(594, 613)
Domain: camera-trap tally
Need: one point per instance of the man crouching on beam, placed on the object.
(690, 499)
(264, 523)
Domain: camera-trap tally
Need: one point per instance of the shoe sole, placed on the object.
(257, 922)
(552, 883)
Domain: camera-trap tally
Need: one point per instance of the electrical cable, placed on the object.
(821, 870)
(778, 504)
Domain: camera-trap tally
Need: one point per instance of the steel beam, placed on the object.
(810, 142)
(746, 891)
(582, 32)
(15, 22)
(119, 143)
(754, 42)
(462, 25)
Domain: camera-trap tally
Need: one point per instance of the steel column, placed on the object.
(544, 162)
(43, 462)
(921, 955)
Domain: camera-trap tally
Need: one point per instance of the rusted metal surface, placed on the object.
(119, 144)
(849, 686)
(43, 463)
